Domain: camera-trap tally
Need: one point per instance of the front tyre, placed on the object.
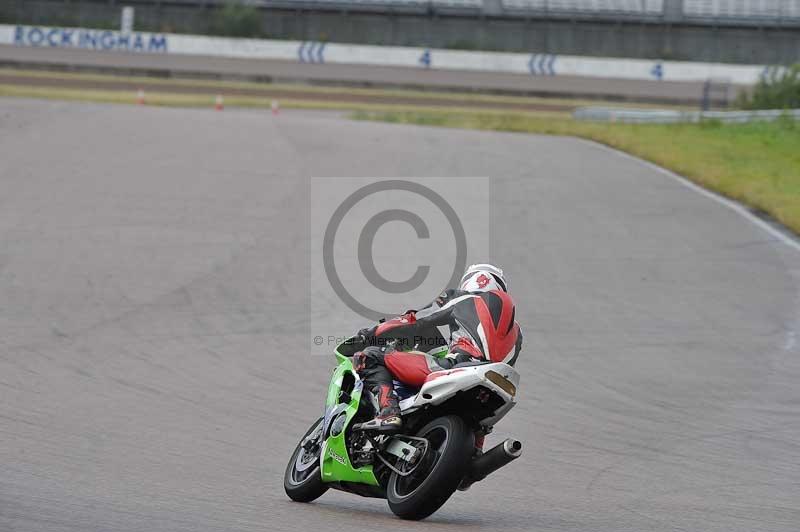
(303, 479)
(421, 493)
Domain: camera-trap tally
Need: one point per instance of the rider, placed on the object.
(480, 315)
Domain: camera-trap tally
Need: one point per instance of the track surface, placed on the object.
(152, 287)
(291, 71)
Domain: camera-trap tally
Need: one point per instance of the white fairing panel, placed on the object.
(442, 385)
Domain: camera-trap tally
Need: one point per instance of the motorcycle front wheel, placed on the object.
(303, 479)
(450, 446)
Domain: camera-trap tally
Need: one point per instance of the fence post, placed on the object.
(673, 10)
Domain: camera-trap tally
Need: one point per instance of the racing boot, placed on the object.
(388, 420)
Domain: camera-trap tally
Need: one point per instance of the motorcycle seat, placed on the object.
(404, 391)
(472, 363)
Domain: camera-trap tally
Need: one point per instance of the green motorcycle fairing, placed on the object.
(335, 463)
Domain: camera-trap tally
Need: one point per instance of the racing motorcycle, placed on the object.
(418, 470)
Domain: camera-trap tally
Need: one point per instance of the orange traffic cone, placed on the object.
(140, 97)
(276, 108)
(219, 103)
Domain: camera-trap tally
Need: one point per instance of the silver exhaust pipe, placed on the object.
(498, 456)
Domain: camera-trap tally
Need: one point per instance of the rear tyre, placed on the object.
(303, 479)
(418, 495)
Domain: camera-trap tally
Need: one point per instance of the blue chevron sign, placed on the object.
(542, 64)
(311, 52)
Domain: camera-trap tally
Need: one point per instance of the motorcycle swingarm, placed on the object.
(403, 451)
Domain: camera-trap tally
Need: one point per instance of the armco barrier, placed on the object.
(607, 114)
(534, 64)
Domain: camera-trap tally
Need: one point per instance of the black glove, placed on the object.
(367, 334)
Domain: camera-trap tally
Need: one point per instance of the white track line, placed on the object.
(781, 235)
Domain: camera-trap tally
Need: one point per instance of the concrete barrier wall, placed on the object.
(671, 38)
(333, 53)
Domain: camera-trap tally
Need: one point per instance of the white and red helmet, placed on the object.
(483, 278)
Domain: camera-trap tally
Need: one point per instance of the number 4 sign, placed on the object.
(657, 71)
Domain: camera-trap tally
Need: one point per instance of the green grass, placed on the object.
(171, 99)
(757, 164)
(465, 99)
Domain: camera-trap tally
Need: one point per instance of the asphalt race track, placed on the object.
(349, 75)
(153, 368)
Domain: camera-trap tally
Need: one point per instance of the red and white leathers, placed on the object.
(482, 327)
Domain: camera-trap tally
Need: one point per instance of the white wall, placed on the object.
(529, 64)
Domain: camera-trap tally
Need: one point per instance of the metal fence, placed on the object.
(630, 7)
(738, 12)
(641, 116)
(452, 3)
(742, 9)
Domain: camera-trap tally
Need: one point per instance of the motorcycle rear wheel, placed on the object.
(302, 480)
(423, 492)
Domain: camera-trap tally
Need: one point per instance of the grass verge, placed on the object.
(170, 99)
(757, 164)
(464, 99)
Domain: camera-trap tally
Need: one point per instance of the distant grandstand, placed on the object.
(725, 12)
(727, 31)
(754, 11)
